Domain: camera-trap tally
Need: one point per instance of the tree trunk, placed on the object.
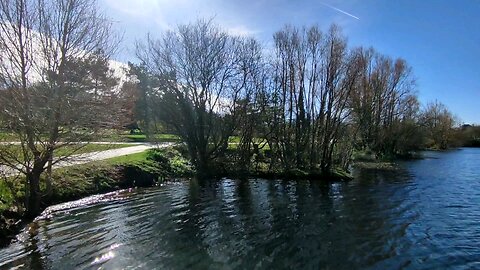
(33, 200)
(203, 170)
(49, 188)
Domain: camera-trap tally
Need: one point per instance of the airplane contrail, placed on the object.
(339, 10)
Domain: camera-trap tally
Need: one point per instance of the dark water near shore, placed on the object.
(426, 215)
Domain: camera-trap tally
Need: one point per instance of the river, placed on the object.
(425, 215)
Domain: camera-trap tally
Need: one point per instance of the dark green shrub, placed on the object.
(170, 161)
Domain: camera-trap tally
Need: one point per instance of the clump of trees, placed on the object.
(309, 103)
(313, 76)
(469, 135)
(384, 106)
(201, 73)
(437, 122)
(56, 87)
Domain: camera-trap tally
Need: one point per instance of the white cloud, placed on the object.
(39, 63)
(242, 30)
(152, 10)
(137, 8)
(166, 14)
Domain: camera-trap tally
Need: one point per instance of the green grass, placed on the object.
(128, 159)
(80, 180)
(110, 136)
(7, 198)
(67, 150)
(69, 183)
(5, 137)
(234, 139)
(135, 137)
(155, 137)
(140, 138)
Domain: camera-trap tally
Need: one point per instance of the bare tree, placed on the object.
(56, 83)
(199, 69)
(314, 77)
(438, 122)
(384, 104)
(251, 104)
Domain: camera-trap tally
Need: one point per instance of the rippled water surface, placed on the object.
(424, 216)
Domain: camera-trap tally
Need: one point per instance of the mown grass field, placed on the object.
(126, 137)
(6, 136)
(127, 159)
(110, 136)
(66, 150)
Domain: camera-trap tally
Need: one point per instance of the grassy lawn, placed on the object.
(125, 136)
(70, 149)
(5, 137)
(109, 136)
(155, 137)
(127, 159)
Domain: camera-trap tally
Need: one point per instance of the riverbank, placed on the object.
(145, 169)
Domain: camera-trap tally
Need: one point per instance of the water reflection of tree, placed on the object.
(376, 212)
(253, 223)
(189, 248)
(35, 257)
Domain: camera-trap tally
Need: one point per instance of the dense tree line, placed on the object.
(310, 101)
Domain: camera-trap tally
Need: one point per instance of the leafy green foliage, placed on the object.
(170, 161)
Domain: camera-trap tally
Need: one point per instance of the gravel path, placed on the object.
(93, 156)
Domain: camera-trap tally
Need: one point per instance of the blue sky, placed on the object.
(440, 39)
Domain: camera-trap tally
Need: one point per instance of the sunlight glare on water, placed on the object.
(424, 215)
